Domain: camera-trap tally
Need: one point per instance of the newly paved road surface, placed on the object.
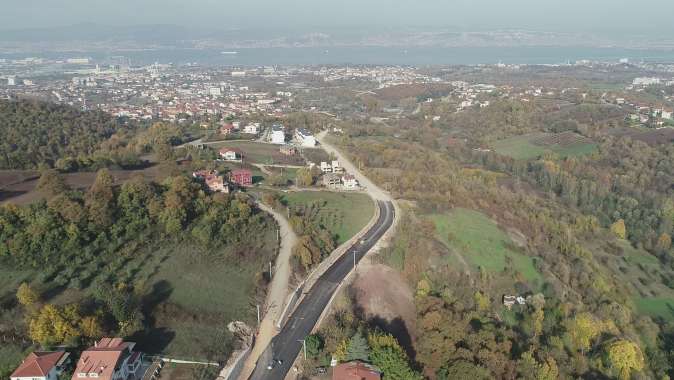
(288, 343)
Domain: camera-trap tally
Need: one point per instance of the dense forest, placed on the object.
(576, 214)
(35, 133)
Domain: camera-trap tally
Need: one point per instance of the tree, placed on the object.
(303, 178)
(618, 228)
(664, 242)
(357, 348)
(91, 327)
(26, 295)
(51, 183)
(463, 369)
(387, 354)
(624, 357)
(582, 329)
(100, 200)
(53, 326)
(314, 345)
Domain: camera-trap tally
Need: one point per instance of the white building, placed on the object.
(78, 61)
(238, 73)
(304, 137)
(667, 114)
(11, 81)
(278, 134)
(645, 81)
(214, 91)
(350, 182)
(252, 129)
(326, 167)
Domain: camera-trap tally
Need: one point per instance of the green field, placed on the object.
(656, 307)
(480, 241)
(523, 147)
(261, 153)
(189, 294)
(344, 214)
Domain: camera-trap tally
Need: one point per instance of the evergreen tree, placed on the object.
(358, 348)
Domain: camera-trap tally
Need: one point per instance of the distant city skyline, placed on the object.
(619, 17)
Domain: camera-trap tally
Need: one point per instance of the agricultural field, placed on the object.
(343, 214)
(261, 153)
(482, 243)
(565, 144)
(188, 293)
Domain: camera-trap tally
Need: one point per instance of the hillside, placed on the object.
(164, 264)
(34, 133)
(582, 233)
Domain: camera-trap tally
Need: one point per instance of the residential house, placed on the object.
(278, 134)
(231, 154)
(227, 129)
(213, 181)
(331, 180)
(509, 301)
(288, 150)
(326, 167)
(336, 168)
(355, 371)
(667, 114)
(350, 182)
(241, 177)
(41, 366)
(109, 359)
(252, 129)
(304, 137)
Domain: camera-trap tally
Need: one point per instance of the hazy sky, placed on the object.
(627, 16)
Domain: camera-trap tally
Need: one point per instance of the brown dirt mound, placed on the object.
(383, 298)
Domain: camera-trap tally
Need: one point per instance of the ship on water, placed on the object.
(229, 52)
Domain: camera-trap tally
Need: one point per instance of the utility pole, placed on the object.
(304, 347)
(354, 259)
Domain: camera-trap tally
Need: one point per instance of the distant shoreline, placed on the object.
(417, 56)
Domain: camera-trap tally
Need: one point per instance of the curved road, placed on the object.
(288, 343)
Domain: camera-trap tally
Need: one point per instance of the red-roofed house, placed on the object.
(242, 177)
(109, 359)
(227, 129)
(41, 366)
(355, 371)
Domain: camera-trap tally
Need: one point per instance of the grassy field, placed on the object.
(189, 294)
(344, 214)
(524, 148)
(656, 307)
(261, 153)
(197, 293)
(479, 240)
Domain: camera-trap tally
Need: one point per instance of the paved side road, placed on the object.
(288, 343)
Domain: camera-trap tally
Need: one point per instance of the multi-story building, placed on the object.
(304, 137)
(278, 134)
(109, 359)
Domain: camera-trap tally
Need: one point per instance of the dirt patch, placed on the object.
(18, 186)
(383, 298)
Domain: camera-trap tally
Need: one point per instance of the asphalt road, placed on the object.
(288, 343)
